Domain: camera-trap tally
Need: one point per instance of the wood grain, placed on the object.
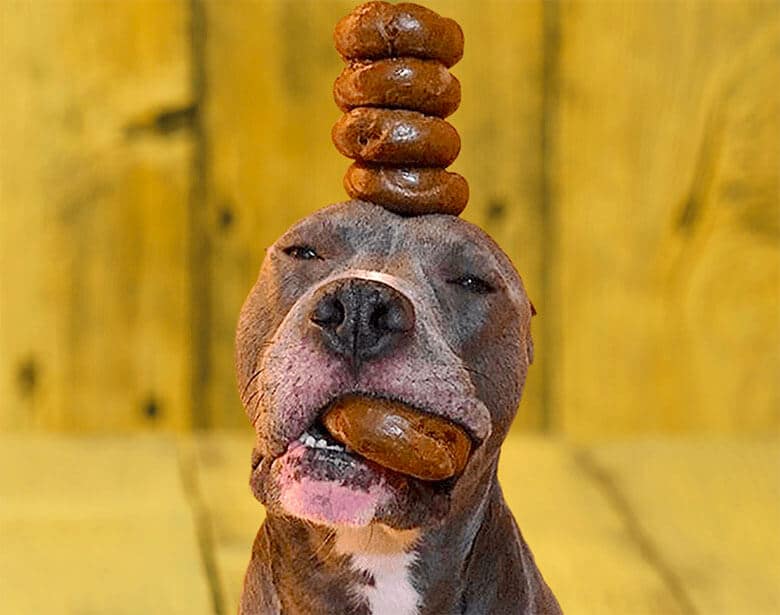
(667, 220)
(222, 465)
(138, 524)
(97, 525)
(579, 539)
(623, 154)
(711, 507)
(93, 224)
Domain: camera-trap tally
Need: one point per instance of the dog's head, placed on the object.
(354, 299)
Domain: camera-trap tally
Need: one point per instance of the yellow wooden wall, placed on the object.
(94, 215)
(624, 154)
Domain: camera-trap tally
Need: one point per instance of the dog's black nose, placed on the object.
(361, 319)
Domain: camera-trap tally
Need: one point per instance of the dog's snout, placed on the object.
(361, 319)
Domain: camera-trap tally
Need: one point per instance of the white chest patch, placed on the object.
(387, 556)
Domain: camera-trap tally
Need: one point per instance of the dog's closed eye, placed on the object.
(473, 284)
(302, 253)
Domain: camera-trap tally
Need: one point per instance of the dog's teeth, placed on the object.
(302, 439)
(321, 443)
(310, 441)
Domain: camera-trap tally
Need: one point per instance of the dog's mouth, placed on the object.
(321, 478)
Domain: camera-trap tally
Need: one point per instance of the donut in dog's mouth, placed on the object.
(321, 479)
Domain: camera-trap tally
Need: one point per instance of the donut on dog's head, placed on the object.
(382, 354)
(395, 91)
(363, 315)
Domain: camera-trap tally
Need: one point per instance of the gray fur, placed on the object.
(466, 360)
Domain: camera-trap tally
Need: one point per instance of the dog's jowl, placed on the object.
(426, 311)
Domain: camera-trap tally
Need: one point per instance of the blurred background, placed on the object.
(626, 155)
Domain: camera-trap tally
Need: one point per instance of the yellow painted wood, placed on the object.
(96, 526)
(107, 525)
(93, 215)
(222, 467)
(627, 152)
(712, 507)
(577, 536)
(667, 218)
(268, 113)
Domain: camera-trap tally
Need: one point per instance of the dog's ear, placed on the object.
(529, 342)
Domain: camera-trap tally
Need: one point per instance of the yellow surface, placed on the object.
(152, 524)
(93, 216)
(712, 508)
(624, 155)
(97, 526)
(668, 218)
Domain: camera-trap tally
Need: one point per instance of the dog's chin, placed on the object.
(323, 483)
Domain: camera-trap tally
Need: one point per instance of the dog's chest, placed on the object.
(385, 562)
(391, 592)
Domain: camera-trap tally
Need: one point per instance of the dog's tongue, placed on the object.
(332, 487)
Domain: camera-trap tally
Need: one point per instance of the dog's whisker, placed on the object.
(328, 542)
(479, 373)
(254, 394)
(255, 410)
(251, 380)
(370, 536)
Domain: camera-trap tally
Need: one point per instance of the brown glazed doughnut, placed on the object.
(398, 437)
(407, 83)
(396, 136)
(394, 88)
(378, 30)
(410, 191)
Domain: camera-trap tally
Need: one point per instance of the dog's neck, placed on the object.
(373, 570)
(468, 561)
(384, 558)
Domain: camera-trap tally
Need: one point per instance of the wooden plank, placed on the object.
(500, 123)
(96, 526)
(94, 213)
(712, 507)
(579, 540)
(665, 154)
(222, 466)
(268, 112)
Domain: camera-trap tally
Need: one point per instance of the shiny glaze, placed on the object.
(398, 83)
(397, 137)
(408, 191)
(379, 29)
(399, 437)
(395, 92)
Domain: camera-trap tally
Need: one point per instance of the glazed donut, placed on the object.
(408, 191)
(399, 83)
(399, 437)
(395, 92)
(396, 137)
(382, 30)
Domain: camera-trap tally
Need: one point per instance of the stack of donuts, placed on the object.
(395, 92)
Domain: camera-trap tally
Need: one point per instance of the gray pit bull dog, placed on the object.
(425, 310)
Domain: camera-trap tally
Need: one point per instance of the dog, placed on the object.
(425, 310)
